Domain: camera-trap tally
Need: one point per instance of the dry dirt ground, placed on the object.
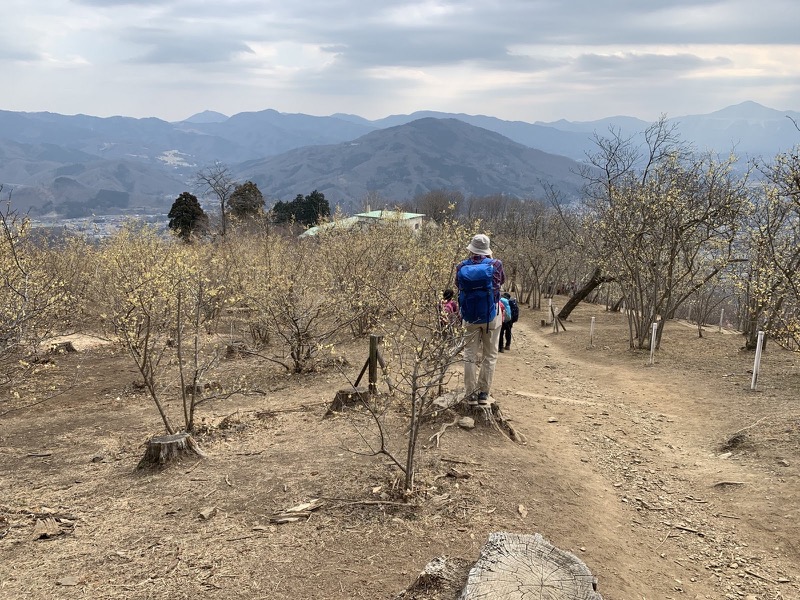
(671, 480)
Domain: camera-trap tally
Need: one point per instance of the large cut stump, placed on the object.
(515, 566)
(164, 449)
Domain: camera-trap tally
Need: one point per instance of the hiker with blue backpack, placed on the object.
(479, 279)
(510, 316)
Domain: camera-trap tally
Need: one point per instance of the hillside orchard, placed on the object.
(662, 234)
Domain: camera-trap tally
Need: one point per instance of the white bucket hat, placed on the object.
(480, 245)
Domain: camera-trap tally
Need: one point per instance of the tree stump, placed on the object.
(527, 567)
(62, 348)
(236, 350)
(441, 579)
(493, 415)
(348, 397)
(490, 413)
(165, 449)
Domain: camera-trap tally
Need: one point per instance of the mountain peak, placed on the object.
(207, 116)
(747, 110)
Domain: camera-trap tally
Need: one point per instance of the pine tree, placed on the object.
(187, 217)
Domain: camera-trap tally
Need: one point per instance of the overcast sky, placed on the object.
(528, 60)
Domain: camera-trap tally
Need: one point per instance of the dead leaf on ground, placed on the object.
(523, 512)
(456, 474)
(297, 512)
(207, 513)
(306, 506)
(50, 527)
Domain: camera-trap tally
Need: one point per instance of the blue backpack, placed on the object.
(476, 291)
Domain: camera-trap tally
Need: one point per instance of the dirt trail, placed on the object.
(634, 448)
(620, 468)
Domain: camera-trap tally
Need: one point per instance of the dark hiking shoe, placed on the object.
(472, 399)
(508, 346)
(500, 349)
(483, 398)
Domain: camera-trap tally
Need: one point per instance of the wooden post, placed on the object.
(591, 333)
(653, 335)
(374, 340)
(757, 361)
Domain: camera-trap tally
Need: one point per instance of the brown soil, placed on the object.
(672, 480)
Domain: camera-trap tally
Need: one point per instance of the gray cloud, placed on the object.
(17, 52)
(629, 64)
(163, 47)
(324, 56)
(365, 34)
(117, 3)
(548, 21)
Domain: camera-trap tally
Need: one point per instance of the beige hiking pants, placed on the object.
(480, 355)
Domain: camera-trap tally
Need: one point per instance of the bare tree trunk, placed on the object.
(595, 280)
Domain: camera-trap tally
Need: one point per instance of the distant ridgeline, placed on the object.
(79, 165)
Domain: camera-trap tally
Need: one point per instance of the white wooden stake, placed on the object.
(757, 363)
(689, 318)
(653, 343)
(721, 316)
(554, 313)
(591, 333)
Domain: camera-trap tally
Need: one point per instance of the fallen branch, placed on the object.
(298, 512)
(438, 435)
(743, 429)
(690, 530)
(761, 577)
(367, 502)
(669, 535)
(648, 507)
(459, 462)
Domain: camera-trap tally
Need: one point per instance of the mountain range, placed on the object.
(76, 165)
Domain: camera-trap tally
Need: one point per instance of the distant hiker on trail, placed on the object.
(449, 318)
(478, 279)
(511, 317)
(505, 327)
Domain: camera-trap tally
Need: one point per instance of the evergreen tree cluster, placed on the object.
(306, 210)
(187, 218)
